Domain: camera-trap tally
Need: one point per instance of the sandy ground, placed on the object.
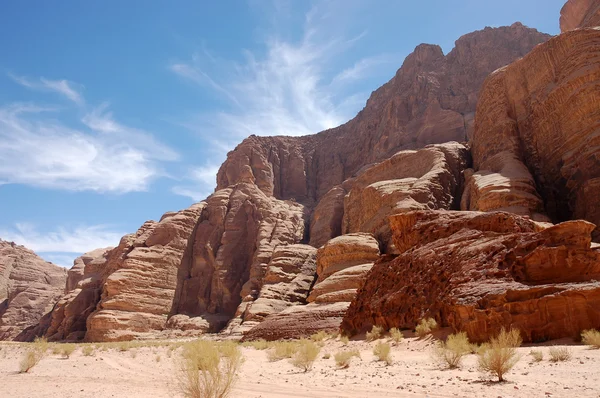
(151, 372)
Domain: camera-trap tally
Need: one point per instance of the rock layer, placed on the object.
(478, 272)
(537, 133)
(29, 289)
(579, 14)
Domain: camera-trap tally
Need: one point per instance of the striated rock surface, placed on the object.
(427, 179)
(431, 99)
(579, 14)
(139, 278)
(342, 265)
(537, 133)
(29, 289)
(478, 272)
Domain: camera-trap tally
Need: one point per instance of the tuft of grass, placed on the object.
(281, 350)
(375, 333)
(326, 355)
(67, 350)
(560, 354)
(425, 327)
(56, 349)
(124, 346)
(34, 355)
(320, 336)
(87, 350)
(209, 370)
(382, 352)
(452, 351)
(591, 337)
(500, 355)
(344, 339)
(537, 355)
(157, 359)
(260, 344)
(396, 335)
(343, 358)
(306, 354)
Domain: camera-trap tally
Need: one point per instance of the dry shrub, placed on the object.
(56, 349)
(260, 344)
(500, 355)
(537, 355)
(396, 335)
(375, 333)
(452, 351)
(320, 336)
(209, 370)
(591, 337)
(343, 358)
(326, 355)
(560, 354)
(157, 359)
(306, 354)
(282, 349)
(425, 327)
(34, 355)
(67, 350)
(382, 352)
(344, 339)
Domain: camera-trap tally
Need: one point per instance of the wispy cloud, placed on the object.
(38, 150)
(291, 87)
(62, 87)
(78, 239)
(199, 182)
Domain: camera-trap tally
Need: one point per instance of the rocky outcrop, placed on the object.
(139, 279)
(537, 133)
(83, 290)
(342, 265)
(427, 179)
(579, 14)
(478, 272)
(431, 99)
(29, 289)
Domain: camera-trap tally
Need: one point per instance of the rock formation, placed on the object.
(29, 289)
(579, 14)
(478, 272)
(537, 131)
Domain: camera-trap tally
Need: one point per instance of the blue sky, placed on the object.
(114, 112)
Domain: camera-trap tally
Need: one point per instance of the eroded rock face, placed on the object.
(29, 289)
(431, 99)
(478, 272)
(537, 133)
(579, 14)
(139, 279)
(342, 265)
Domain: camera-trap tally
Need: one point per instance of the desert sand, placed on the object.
(152, 372)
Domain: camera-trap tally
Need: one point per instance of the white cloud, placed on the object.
(199, 183)
(292, 88)
(39, 150)
(79, 239)
(62, 87)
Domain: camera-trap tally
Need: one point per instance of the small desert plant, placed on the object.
(56, 349)
(559, 354)
(34, 355)
(537, 355)
(124, 346)
(157, 359)
(344, 339)
(326, 355)
(375, 333)
(591, 337)
(306, 354)
(452, 351)
(396, 335)
(260, 344)
(133, 353)
(343, 358)
(382, 352)
(282, 349)
(425, 327)
(500, 355)
(67, 350)
(319, 336)
(87, 350)
(209, 370)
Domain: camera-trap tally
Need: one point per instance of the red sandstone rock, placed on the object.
(579, 14)
(29, 289)
(477, 272)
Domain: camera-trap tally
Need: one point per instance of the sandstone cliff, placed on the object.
(579, 14)
(29, 289)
